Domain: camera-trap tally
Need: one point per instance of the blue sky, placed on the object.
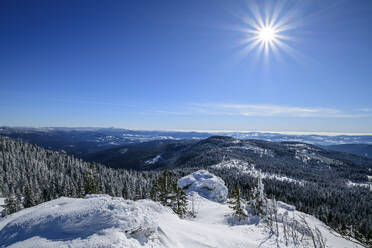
(184, 65)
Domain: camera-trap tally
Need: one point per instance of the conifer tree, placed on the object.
(164, 189)
(257, 198)
(166, 192)
(12, 203)
(90, 181)
(180, 207)
(29, 198)
(236, 203)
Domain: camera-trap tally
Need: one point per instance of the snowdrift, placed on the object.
(205, 184)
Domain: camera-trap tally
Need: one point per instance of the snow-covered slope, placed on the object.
(153, 160)
(104, 221)
(244, 167)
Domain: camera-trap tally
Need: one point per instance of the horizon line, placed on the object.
(323, 133)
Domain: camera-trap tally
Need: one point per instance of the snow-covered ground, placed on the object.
(123, 150)
(104, 221)
(153, 160)
(2, 203)
(367, 185)
(307, 153)
(252, 147)
(247, 168)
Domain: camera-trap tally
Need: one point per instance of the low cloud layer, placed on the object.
(275, 110)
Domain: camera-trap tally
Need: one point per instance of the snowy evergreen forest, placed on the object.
(30, 175)
(38, 175)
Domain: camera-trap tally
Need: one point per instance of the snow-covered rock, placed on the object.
(205, 184)
(95, 221)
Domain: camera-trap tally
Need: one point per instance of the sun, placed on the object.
(268, 31)
(266, 34)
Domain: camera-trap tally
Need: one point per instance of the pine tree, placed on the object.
(164, 189)
(12, 203)
(237, 204)
(80, 189)
(30, 198)
(166, 192)
(257, 198)
(91, 185)
(180, 207)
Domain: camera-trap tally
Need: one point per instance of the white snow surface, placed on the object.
(153, 160)
(367, 185)
(104, 221)
(307, 153)
(205, 184)
(244, 167)
(239, 144)
(96, 221)
(2, 203)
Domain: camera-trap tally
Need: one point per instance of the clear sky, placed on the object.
(187, 65)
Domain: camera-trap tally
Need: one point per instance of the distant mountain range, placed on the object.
(74, 139)
(83, 141)
(147, 150)
(295, 160)
(78, 141)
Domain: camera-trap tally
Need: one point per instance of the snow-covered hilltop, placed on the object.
(95, 221)
(104, 221)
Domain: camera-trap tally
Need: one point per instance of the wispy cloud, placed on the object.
(172, 112)
(366, 110)
(275, 110)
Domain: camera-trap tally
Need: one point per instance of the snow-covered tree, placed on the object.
(91, 185)
(271, 216)
(257, 197)
(166, 191)
(37, 175)
(180, 206)
(13, 203)
(30, 198)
